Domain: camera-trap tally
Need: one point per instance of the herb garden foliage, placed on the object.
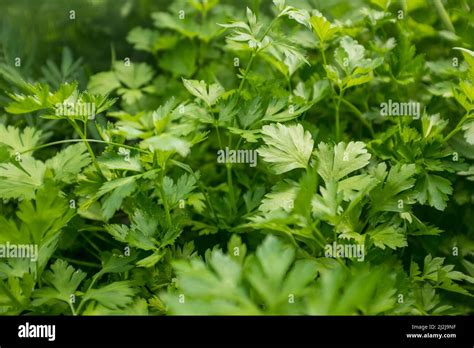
(133, 214)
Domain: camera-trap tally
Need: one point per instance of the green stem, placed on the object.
(323, 53)
(85, 129)
(229, 175)
(94, 279)
(91, 243)
(247, 69)
(91, 229)
(81, 140)
(457, 128)
(338, 104)
(360, 116)
(238, 143)
(322, 242)
(202, 44)
(444, 15)
(38, 275)
(288, 81)
(400, 127)
(95, 229)
(270, 26)
(89, 148)
(165, 201)
(81, 263)
(201, 186)
(465, 5)
(72, 308)
(218, 136)
(254, 54)
(208, 201)
(231, 187)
